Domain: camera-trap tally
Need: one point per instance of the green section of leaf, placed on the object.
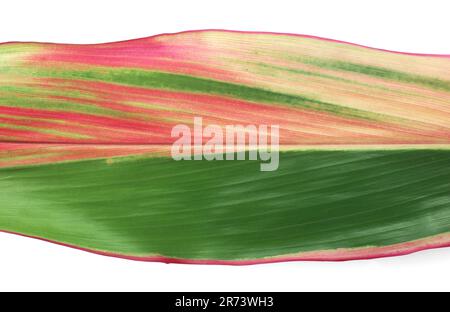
(316, 200)
(381, 72)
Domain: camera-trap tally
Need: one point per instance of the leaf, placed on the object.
(364, 168)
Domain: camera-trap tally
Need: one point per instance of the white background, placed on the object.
(409, 26)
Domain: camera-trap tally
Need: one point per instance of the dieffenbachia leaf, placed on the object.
(364, 168)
